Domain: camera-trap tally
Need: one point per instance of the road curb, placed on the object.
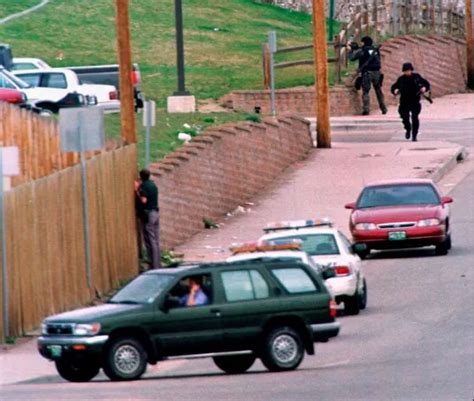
(448, 165)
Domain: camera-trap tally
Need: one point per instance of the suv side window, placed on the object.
(295, 280)
(244, 285)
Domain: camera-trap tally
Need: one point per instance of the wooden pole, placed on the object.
(469, 21)
(127, 111)
(323, 128)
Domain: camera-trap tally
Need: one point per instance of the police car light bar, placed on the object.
(297, 224)
(255, 247)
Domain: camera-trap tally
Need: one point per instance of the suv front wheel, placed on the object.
(125, 359)
(283, 349)
(234, 364)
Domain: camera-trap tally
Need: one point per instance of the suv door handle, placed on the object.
(216, 311)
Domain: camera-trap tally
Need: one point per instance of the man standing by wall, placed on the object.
(147, 194)
(410, 86)
(369, 72)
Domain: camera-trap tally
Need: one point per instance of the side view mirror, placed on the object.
(359, 247)
(446, 199)
(328, 273)
(170, 303)
(351, 205)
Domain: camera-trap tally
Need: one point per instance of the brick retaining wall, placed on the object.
(222, 169)
(440, 59)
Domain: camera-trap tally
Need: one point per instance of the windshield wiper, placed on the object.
(126, 302)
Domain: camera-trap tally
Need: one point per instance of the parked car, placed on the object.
(400, 214)
(89, 74)
(60, 78)
(328, 247)
(12, 96)
(272, 310)
(39, 99)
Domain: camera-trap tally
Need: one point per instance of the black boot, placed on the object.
(414, 138)
(407, 134)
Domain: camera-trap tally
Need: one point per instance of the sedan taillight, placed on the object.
(342, 271)
(113, 95)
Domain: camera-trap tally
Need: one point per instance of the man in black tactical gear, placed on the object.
(369, 70)
(410, 86)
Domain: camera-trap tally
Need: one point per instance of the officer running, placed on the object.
(410, 86)
(369, 70)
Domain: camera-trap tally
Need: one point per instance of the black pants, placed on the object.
(372, 78)
(411, 124)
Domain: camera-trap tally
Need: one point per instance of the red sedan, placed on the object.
(400, 214)
(12, 96)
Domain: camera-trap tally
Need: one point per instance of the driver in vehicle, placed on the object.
(196, 295)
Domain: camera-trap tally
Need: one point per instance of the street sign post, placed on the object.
(149, 120)
(272, 44)
(9, 166)
(81, 130)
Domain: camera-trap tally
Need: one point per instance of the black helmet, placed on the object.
(407, 67)
(367, 41)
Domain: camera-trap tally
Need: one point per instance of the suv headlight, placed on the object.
(365, 226)
(86, 329)
(429, 223)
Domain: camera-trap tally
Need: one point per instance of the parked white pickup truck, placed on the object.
(61, 78)
(50, 99)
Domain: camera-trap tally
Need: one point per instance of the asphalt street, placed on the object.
(415, 341)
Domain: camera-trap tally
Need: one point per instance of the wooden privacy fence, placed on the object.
(38, 141)
(380, 19)
(46, 268)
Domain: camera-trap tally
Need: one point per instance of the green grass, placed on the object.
(8, 7)
(223, 41)
(164, 137)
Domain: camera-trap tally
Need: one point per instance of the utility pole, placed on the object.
(323, 128)
(127, 109)
(178, 10)
(470, 42)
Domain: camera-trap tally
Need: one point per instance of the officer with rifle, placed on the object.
(411, 86)
(368, 72)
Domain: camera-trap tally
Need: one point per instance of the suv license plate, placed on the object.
(397, 235)
(56, 350)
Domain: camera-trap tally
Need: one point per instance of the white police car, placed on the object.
(328, 247)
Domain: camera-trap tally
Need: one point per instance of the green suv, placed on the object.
(232, 312)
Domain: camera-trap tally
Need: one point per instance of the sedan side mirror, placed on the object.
(446, 199)
(351, 205)
(329, 273)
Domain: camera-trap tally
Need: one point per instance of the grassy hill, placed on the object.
(223, 40)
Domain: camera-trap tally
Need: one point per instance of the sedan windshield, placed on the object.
(312, 244)
(17, 82)
(144, 289)
(398, 195)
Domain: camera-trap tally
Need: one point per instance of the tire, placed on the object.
(234, 364)
(352, 305)
(282, 349)
(443, 248)
(449, 242)
(77, 371)
(363, 296)
(125, 359)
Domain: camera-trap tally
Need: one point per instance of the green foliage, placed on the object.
(223, 40)
(253, 117)
(170, 259)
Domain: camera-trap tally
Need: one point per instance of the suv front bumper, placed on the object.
(322, 332)
(59, 347)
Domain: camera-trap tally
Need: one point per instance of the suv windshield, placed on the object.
(398, 195)
(144, 289)
(312, 244)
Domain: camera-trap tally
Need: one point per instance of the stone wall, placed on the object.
(224, 168)
(440, 59)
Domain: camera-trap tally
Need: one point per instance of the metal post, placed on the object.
(85, 206)
(273, 46)
(5, 300)
(332, 11)
(178, 10)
